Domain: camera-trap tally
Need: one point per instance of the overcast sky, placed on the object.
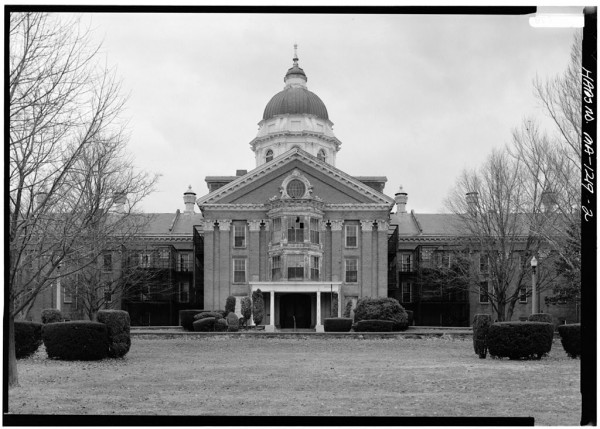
(416, 98)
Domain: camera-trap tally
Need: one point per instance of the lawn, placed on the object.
(303, 376)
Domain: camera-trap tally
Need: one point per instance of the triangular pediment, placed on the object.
(328, 183)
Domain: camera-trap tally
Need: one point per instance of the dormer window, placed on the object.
(269, 156)
(321, 155)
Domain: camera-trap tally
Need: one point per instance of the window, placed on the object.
(239, 271)
(444, 259)
(523, 295)
(107, 294)
(321, 155)
(164, 254)
(239, 236)
(296, 188)
(145, 260)
(296, 232)
(276, 230)
(67, 295)
(483, 293)
(184, 292)
(483, 263)
(276, 268)
(314, 268)
(314, 231)
(184, 262)
(406, 262)
(351, 235)
(269, 156)
(351, 270)
(426, 255)
(107, 262)
(295, 265)
(406, 292)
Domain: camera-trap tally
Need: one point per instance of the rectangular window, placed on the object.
(523, 295)
(164, 254)
(444, 258)
(406, 262)
(351, 235)
(483, 263)
(426, 256)
(107, 262)
(314, 231)
(276, 230)
(296, 232)
(276, 268)
(351, 270)
(67, 295)
(314, 268)
(107, 294)
(483, 293)
(184, 262)
(295, 265)
(406, 292)
(239, 271)
(184, 292)
(145, 260)
(239, 236)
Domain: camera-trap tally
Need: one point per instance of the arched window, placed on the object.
(321, 155)
(269, 156)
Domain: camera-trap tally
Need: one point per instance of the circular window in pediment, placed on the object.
(296, 189)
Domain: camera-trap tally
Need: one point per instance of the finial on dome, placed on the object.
(295, 59)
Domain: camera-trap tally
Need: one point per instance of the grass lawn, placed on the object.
(303, 376)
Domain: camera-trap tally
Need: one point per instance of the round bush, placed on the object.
(481, 325)
(118, 325)
(205, 314)
(375, 326)
(570, 337)
(51, 315)
(337, 324)
(28, 337)
(230, 304)
(540, 317)
(204, 325)
(517, 340)
(220, 325)
(233, 323)
(186, 318)
(79, 340)
(381, 309)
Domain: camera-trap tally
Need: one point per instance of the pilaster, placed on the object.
(210, 283)
(382, 257)
(224, 288)
(336, 250)
(254, 253)
(367, 268)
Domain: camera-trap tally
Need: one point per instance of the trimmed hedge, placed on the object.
(205, 325)
(51, 315)
(382, 309)
(205, 314)
(337, 324)
(28, 337)
(570, 337)
(481, 325)
(230, 304)
(258, 307)
(540, 317)
(375, 326)
(118, 324)
(220, 325)
(186, 318)
(233, 323)
(246, 309)
(78, 340)
(516, 340)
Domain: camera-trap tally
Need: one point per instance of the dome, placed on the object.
(295, 100)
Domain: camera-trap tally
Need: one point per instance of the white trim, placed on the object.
(296, 286)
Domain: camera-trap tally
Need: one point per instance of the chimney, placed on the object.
(189, 198)
(401, 197)
(548, 200)
(472, 201)
(119, 201)
(241, 172)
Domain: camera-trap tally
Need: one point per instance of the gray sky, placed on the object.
(412, 97)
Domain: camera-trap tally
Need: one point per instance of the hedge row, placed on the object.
(118, 325)
(186, 318)
(517, 340)
(78, 340)
(337, 324)
(51, 315)
(375, 326)
(28, 337)
(382, 309)
(540, 317)
(570, 337)
(481, 325)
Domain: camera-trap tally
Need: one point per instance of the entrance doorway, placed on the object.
(294, 306)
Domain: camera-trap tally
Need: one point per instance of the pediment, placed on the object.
(327, 183)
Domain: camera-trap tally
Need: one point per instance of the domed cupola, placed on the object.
(295, 117)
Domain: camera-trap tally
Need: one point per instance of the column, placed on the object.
(225, 268)
(339, 295)
(367, 267)
(264, 237)
(336, 250)
(254, 250)
(271, 326)
(382, 257)
(325, 239)
(209, 263)
(318, 325)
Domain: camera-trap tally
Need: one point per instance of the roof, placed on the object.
(295, 100)
(171, 224)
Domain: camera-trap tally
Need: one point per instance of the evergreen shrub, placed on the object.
(205, 314)
(258, 307)
(517, 340)
(230, 304)
(205, 325)
(375, 326)
(382, 309)
(481, 325)
(186, 318)
(233, 323)
(348, 309)
(570, 337)
(28, 337)
(540, 317)
(118, 325)
(220, 325)
(78, 340)
(51, 315)
(337, 324)
(246, 309)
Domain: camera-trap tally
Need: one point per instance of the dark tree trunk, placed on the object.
(13, 375)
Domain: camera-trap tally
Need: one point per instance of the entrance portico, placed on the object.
(300, 288)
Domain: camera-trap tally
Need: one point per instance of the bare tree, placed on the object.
(64, 112)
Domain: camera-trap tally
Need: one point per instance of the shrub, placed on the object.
(205, 325)
(186, 318)
(220, 325)
(411, 317)
(258, 307)
(374, 326)
(28, 337)
(481, 325)
(540, 317)
(516, 340)
(51, 315)
(233, 324)
(118, 325)
(570, 337)
(230, 304)
(334, 305)
(246, 309)
(381, 309)
(79, 340)
(348, 309)
(337, 324)
(204, 314)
